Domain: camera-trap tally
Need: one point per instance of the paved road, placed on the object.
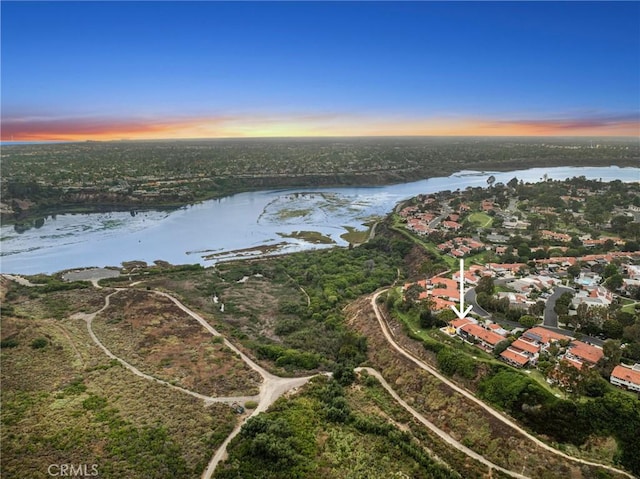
(550, 316)
(470, 298)
(506, 420)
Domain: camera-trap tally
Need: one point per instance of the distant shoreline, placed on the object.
(273, 183)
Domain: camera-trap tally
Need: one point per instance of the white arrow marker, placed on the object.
(461, 313)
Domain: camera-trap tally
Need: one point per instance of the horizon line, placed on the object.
(308, 137)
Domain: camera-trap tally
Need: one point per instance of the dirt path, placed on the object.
(443, 435)
(421, 364)
(88, 318)
(19, 280)
(271, 389)
(272, 386)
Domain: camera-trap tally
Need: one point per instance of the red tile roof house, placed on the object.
(514, 358)
(584, 353)
(452, 225)
(546, 234)
(543, 337)
(484, 338)
(469, 277)
(458, 323)
(626, 377)
(488, 205)
(417, 226)
(496, 328)
(521, 352)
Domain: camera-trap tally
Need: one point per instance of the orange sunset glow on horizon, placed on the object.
(81, 129)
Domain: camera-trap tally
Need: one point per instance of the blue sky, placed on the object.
(192, 69)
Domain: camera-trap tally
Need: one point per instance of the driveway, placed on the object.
(550, 316)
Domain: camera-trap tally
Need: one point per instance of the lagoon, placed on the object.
(242, 221)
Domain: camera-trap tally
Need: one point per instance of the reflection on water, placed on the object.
(238, 222)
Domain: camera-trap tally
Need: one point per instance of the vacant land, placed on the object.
(330, 431)
(153, 334)
(64, 401)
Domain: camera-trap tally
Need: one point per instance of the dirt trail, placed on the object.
(443, 435)
(271, 389)
(389, 337)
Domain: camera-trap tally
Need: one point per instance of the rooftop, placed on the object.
(626, 373)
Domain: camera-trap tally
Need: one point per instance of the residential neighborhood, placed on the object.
(549, 277)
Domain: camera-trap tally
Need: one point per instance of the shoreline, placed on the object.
(371, 179)
(234, 229)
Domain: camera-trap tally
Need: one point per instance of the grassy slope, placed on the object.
(66, 402)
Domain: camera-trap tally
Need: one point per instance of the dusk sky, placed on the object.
(93, 70)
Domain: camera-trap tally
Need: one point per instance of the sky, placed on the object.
(150, 70)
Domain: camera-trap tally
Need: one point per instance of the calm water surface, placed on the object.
(245, 220)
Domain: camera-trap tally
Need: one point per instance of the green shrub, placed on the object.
(39, 343)
(452, 362)
(8, 343)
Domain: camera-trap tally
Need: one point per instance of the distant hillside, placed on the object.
(62, 177)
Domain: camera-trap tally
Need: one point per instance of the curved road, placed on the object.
(470, 298)
(421, 364)
(550, 316)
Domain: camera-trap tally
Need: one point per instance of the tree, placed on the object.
(570, 379)
(562, 303)
(612, 353)
(500, 347)
(610, 270)
(528, 321)
(614, 282)
(633, 230)
(596, 211)
(524, 251)
(427, 320)
(590, 318)
(574, 270)
(612, 329)
(447, 315)
(485, 285)
(537, 309)
(619, 223)
(411, 295)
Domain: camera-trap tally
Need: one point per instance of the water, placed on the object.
(245, 220)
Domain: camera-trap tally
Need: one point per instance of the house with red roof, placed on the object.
(584, 354)
(451, 225)
(626, 377)
(469, 277)
(521, 352)
(542, 336)
(482, 337)
(552, 235)
(514, 358)
(488, 205)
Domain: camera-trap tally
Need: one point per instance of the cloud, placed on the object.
(614, 125)
(95, 128)
(40, 128)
